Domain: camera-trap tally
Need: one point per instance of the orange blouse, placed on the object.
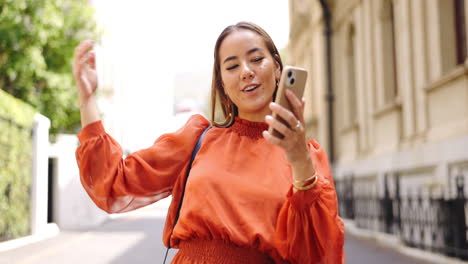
(239, 189)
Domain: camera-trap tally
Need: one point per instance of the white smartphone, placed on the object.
(294, 79)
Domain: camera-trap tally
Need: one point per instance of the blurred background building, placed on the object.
(388, 99)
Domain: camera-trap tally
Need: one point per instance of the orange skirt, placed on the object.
(217, 251)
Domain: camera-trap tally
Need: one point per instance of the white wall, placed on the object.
(73, 208)
(39, 174)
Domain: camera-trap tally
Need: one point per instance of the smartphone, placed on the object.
(294, 79)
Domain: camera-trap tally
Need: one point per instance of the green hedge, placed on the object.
(16, 122)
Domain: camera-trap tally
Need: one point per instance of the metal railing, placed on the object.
(421, 219)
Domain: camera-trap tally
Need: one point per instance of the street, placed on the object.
(136, 238)
(364, 251)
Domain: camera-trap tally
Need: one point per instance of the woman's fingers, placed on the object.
(92, 60)
(294, 130)
(84, 69)
(285, 114)
(83, 48)
(81, 66)
(294, 141)
(81, 52)
(297, 105)
(291, 117)
(278, 126)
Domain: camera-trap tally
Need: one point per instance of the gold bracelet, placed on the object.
(304, 188)
(306, 180)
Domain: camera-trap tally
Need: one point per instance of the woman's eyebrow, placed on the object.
(248, 52)
(253, 50)
(230, 58)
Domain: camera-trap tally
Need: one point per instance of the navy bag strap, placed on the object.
(194, 153)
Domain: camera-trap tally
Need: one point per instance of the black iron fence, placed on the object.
(421, 218)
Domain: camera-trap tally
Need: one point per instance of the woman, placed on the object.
(250, 197)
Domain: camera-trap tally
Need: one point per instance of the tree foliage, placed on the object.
(16, 124)
(37, 42)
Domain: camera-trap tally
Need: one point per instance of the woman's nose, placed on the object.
(247, 73)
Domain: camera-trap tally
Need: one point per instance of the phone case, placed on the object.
(294, 79)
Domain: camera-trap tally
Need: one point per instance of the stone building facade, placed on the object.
(399, 74)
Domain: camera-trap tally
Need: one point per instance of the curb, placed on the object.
(393, 242)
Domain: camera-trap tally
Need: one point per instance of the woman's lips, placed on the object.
(251, 87)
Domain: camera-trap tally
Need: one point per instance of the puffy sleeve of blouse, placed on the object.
(119, 185)
(309, 229)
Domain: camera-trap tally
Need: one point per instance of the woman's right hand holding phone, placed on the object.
(86, 79)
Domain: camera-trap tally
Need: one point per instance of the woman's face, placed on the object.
(249, 73)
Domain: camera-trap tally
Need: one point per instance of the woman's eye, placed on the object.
(258, 59)
(232, 67)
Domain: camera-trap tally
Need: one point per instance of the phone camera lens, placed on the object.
(289, 74)
(292, 81)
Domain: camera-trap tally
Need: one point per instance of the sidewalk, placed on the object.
(361, 250)
(364, 246)
(127, 238)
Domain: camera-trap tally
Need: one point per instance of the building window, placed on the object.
(452, 33)
(460, 30)
(351, 80)
(389, 52)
